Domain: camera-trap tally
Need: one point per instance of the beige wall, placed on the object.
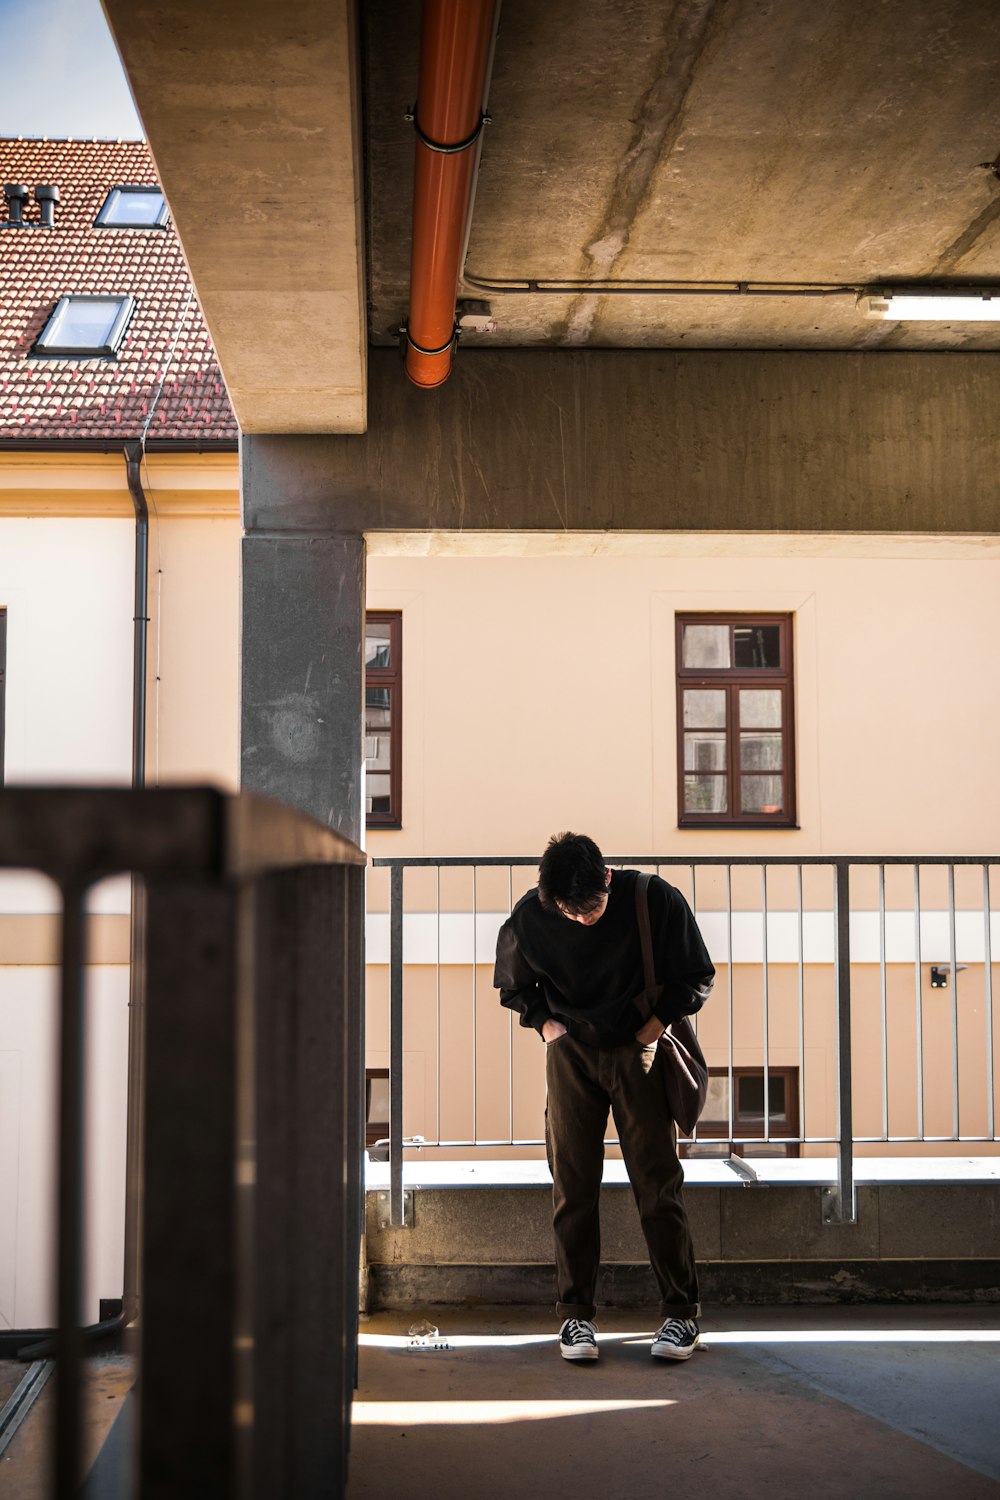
(538, 695)
(66, 577)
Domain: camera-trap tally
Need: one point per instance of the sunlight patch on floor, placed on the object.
(476, 1413)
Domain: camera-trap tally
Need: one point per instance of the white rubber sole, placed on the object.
(578, 1354)
(670, 1351)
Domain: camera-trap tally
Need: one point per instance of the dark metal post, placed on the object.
(69, 1343)
(396, 1047)
(306, 1218)
(839, 1204)
(356, 1109)
(133, 1128)
(186, 1437)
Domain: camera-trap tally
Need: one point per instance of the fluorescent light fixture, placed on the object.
(974, 304)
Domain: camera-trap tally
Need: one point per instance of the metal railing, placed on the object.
(819, 935)
(246, 1119)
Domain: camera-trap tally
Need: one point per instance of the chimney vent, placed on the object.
(16, 194)
(47, 196)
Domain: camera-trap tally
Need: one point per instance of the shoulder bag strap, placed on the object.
(648, 997)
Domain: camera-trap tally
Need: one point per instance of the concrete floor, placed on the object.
(817, 1402)
(24, 1468)
(809, 1401)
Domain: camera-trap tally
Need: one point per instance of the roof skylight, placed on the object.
(133, 206)
(85, 325)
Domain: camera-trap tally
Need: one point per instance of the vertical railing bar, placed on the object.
(510, 1016)
(69, 1341)
(953, 975)
(475, 1006)
(988, 976)
(729, 923)
(883, 994)
(846, 1208)
(694, 913)
(437, 869)
(917, 963)
(802, 1012)
(767, 1029)
(396, 1047)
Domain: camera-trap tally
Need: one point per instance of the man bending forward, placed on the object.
(569, 961)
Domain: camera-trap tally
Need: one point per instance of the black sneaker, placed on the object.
(677, 1339)
(578, 1339)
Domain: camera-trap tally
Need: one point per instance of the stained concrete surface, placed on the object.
(24, 1468)
(11, 1374)
(644, 440)
(881, 1401)
(702, 140)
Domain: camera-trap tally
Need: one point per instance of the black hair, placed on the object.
(572, 874)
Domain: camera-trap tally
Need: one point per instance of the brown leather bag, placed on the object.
(678, 1051)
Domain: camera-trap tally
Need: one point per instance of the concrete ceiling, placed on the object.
(753, 141)
(705, 141)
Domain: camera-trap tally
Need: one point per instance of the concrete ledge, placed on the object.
(804, 1171)
(480, 1229)
(774, 1282)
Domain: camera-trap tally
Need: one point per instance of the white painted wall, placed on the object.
(28, 1126)
(67, 586)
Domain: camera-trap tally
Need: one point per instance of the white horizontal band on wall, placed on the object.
(429, 939)
(25, 893)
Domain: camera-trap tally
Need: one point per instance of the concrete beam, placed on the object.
(252, 113)
(302, 675)
(626, 440)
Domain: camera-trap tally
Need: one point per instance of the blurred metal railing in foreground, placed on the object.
(250, 1126)
(836, 909)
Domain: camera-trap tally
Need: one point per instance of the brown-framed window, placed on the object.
(748, 1113)
(735, 721)
(376, 1106)
(383, 718)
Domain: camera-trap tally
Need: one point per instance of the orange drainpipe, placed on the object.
(455, 40)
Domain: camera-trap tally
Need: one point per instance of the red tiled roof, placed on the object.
(52, 400)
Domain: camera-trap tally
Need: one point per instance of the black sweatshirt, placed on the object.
(549, 968)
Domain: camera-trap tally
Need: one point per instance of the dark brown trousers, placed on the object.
(583, 1083)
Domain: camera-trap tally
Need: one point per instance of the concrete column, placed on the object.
(302, 673)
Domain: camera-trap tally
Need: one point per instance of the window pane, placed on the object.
(760, 708)
(704, 751)
(378, 793)
(760, 752)
(378, 1102)
(133, 208)
(705, 794)
(717, 1101)
(757, 645)
(706, 646)
(761, 794)
(378, 740)
(704, 708)
(750, 1096)
(83, 323)
(378, 645)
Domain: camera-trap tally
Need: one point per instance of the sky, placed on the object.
(61, 72)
